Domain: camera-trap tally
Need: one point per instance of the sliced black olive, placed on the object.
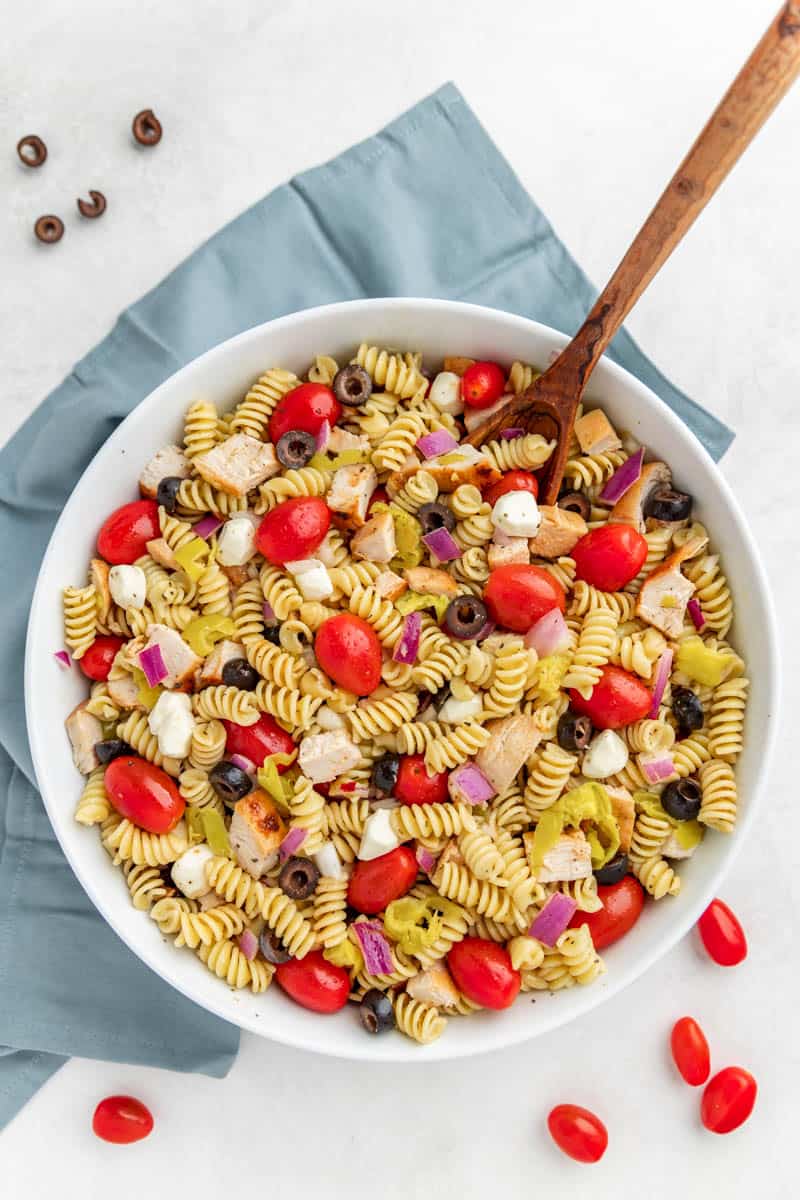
(681, 799)
(296, 448)
(352, 386)
(574, 732)
(376, 1012)
(238, 673)
(465, 617)
(114, 748)
(270, 946)
(436, 516)
(613, 871)
(229, 781)
(576, 502)
(688, 710)
(167, 492)
(299, 878)
(667, 504)
(272, 633)
(384, 773)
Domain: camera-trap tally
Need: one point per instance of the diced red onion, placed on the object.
(553, 919)
(293, 841)
(656, 767)
(514, 431)
(248, 944)
(268, 612)
(472, 785)
(549, 635)
(323, 437)
(430, 445)
(244, 764)
(425, 859)
(153, 665)
(696, 613)
(660, 683)
(488, 628)
(375, 948)
(207, 525)
(63, 659)
(442, 543)
(623, 478)
(407, 647)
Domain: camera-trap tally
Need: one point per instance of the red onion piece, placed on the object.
(623, 478)
(661, 678)
(375, 948)
(244, 764)
(63, 659)
(469, 785)
(408, 646)
(430, 445)
(549, 635)
(323, 437)
(696, 613)
(248, 944)
(207, 525)
(656, 767)
(425, 859)
(268, 613)
(292, 842)
(153, 666)
(442, 543)
(553, 919)
(514, 431)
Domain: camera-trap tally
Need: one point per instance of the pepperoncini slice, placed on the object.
(700, 662)
(345, 458)
(407, 535)
(279, 787)
(194, 823)
(589, 804)
(416, 924)
(203, 632)
(147, 695)
(414, 601)
(215, 831)
(550, 673)
(193, 558)
(345, 955)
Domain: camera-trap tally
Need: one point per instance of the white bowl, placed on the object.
(223, 374)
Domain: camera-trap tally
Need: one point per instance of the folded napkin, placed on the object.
(427, 207)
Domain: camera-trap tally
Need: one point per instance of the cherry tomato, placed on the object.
(122, 1120)
(293, 529)
(143, 793)
(517, 595)
(622, 906)
(483, 972)
(578, 1132)
(378, 882)
(609, 557)
(306, 407)
(123, 535)
(314, 982)
(512, 481)
(257, 741)
(690, 1051)
(347, 649)
(414, 784)
(618, 699)
(482, 384)
(722, 935)
(728, 1100)
(97, 660)
(379, 495)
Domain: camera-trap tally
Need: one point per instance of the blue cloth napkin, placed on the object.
(427, 207)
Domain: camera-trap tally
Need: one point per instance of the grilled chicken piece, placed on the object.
(179, 658)
(84, 731)
(570, 858)
(595, 433)
(513, 741)
(238, 464)
(257, 830)
(434, 986)
(349, 494)
(431, 581)
(629, 510)
(224, 652)
(559, 531)
(666, 591)
(168, 461)
(324, 756)
(375, 541)
(624, 814)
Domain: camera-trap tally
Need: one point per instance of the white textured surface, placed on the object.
(594, 105)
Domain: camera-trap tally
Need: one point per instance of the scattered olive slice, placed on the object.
(113, 748)
(295, 449)
(687, 709)
(49, 229)
(384, 773)
(92, 209)
(229, 781)
(576, 502)
(574, 732)
(238, 673)
(436, 516)
(352, 386)
(465, 617)
(614, 870)
(667, 504)
(375, 1012)
(167, 492)
(299, 878)
(681, 799)
(270, 946)
(146, 128)
(31, 150)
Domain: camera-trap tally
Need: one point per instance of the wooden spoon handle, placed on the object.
(762, 81)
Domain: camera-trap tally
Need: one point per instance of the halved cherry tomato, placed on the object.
(690, 1051)
(622, 906)
(122, 1120)
(305, 407)
(512, 481)
(722, 935)
(97, 660)
(483, 972)
(314, 982)
(143, 793)
(518, 594)
(124, 535)
(379, 881)
(482, 384)
(578, 1132)
(257, 741)
(347, 649)
(293, 529)
(379, 495)
(618, 699)
(610, 556)
(415, 786)
(728, 1100)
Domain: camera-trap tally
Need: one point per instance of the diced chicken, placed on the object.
(375, 541)
(434, 986)
(98, 575)
(125, 692)
(510, 550)
(595, 433)
(323, 756)
(238, 464)
(513, 740)
(666, 591)
(83, 731)
(431, 581)
(168, 461)
(450, 854)
(161, 552)
(342, 439)
(236, 541)
(257, 830)
(237, 575)
(624, 814)
(474, 468)
(673, 849)
(389, 586)
(629, 510)
(559, 531)
(224, 652)
(349, 494)
(570, 858)
(180, 660)
(475, 417)
(457, 364)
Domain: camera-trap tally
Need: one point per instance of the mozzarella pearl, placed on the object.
(172, 722)
(189, 871)
(607, 754)
(517, 515)
(236, 543)
(378, 837)
(445, 393)
(128, 586)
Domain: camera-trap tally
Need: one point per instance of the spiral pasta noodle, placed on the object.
(80, 619)
(639, 652)
(588, 470)
(306, 481)
(329, 921)
(460, 743)
(431, 820)
(204, 928)
(712, 592)
(200, 429)
(390, 371)
(482, 856)
(509, 679)
(167, 913)
(690, 753)
(124, 840)
(417, 1020)
(421, 489)
(582, 960)
(248, 612)
(199, 496)
(146, 885)
(520, 377)
(529, 452)
(175, 532)
(136, 732)
(466, 501)
(657, 877)
(547, 778)
(254, 412)
(274, 664)
(284, 919)
(307, 810)
(280, 592)
(586, 598)
(213, 591)
(227, 962)
(440, 658)
(719, 795)
(226, 704)
(208, 744)
(583, 892)
(649, 835)
(384, 618)
(94, 805)
(726, 719)
(289, 706)
(373, 717)
(398, 441)
(648, 736)
(456, 882)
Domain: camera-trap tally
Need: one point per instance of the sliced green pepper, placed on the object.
(417, 924)
(194, 823)
(345, 458)
(550, 673)
(345, 955)
(203, 632)
(407, 535)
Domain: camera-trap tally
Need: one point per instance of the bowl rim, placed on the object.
(494, 1035)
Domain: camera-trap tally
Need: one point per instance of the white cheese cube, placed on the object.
(328, 720)
(172, 722)
(236, 542)
(445, 393)
(189, 871)
(311, 577)
(517, 515)
(327, 861)
(454, 711)
(323, 756)
(606, 755)
(378, 837)
(128, 586)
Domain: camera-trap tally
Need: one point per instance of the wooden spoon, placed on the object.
(548, 406)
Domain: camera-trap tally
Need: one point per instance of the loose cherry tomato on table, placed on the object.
(123, 536)
(722, 935)
(578, 1132)
(690, 1051)
(609, 557)
(314, 982)
(143, 793)
(518, 594)
(482, 970)
(512, 481)
(622, 906)
(293, 530)
(122, 1120)
(482, 384)
(618, 699)
(379, 881)
(97, 660)
(415, 786)
(728, 1100)
(347, 649)
(306, 407)
(257, 741)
